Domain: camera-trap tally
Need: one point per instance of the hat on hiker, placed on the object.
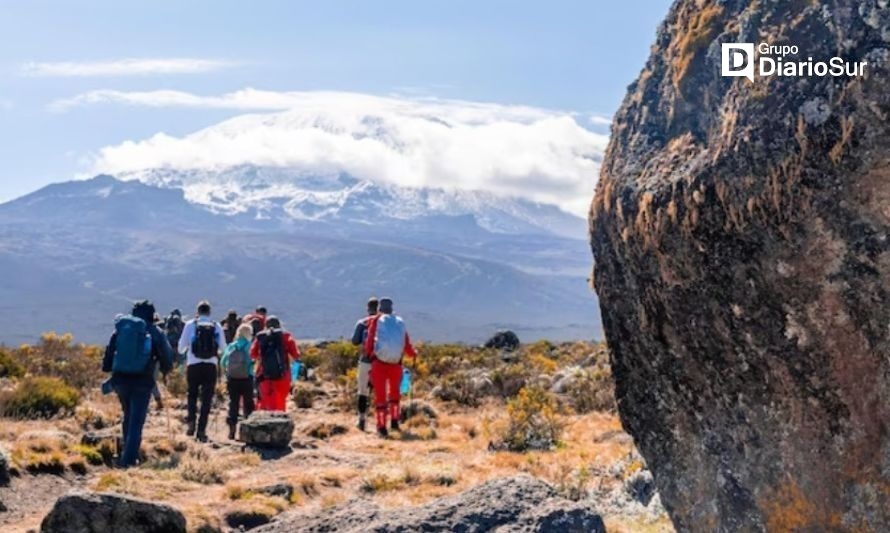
(373, 305)
(176, 312)
(273, 323)
(260, 309)
(386, 305)
(203, 307)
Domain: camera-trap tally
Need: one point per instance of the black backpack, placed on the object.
(271, 354)
(204, 344)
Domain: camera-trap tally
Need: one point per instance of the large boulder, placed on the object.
(517, 504)
(503, 340)
(740, 232)
(267, 429)
(86, 512)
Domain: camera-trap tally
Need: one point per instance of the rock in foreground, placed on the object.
(743, 268)
(517, 504)
(267, 429)
(83, 512)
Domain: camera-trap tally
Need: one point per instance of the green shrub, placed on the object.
(457, 388)
(508, 380)
(58, 356)
(592, 390)
(303, 395)
(338, 358)
(534, 421)
(39, 397)
(9, 366)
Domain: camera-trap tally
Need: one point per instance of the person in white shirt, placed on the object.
(202, 341)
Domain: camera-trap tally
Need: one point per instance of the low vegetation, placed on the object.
(39, 397)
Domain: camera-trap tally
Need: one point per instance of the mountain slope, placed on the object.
(101, 242)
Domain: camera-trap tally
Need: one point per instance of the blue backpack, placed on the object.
(132, 349)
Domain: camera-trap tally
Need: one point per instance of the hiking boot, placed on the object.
(232, 428)
(202, 437)
(361, 423)
(190, 431)
(382, 432)
(395, 425)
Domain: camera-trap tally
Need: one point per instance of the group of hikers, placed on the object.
(257, 356)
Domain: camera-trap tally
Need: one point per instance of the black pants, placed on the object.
(201, 379)
(240, 391)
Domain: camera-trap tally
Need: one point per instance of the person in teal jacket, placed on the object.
(238, 366)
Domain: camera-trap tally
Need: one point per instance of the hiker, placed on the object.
(230, 325)
(386, 343)
(173, 328)
(238, 368)
(364, 361)
(202, 340)
(257, 320)
(274, 349)
(135, 349)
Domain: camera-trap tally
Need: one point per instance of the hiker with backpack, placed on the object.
(173, 326)
(238, 368)
(202, 340)
(257, 320)
(273, 350)
(386, 344)
(230, 325)
(135, 349)
(364, 362)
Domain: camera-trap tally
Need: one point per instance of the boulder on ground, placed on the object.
(740, 232)
(267, 429)
(503, 340)
(515, 504)
(87, 512)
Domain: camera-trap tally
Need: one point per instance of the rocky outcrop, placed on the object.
(267, 429)
(518, 504)
(84, 512)
(503, 340)
(740, 232)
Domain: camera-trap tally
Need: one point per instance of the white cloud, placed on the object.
(521, 151)
(124, 67)
(599, 120)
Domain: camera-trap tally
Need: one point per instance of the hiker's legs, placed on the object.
(248, 397)
(208, 388)
(273, 394)
(235, 392)
(383, 375)
(124, 391)
(139, 398)
(192, 373)
(394, 383)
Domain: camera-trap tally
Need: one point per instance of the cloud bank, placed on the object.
(124, 67)
(529, 152)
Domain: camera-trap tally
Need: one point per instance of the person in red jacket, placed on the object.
(386, 344)
(274, 349)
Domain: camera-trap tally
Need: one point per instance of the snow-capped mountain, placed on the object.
(289, 194)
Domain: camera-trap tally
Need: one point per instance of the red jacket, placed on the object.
(291, 350)
(372, 336)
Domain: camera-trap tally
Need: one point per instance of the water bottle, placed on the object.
(295, 370)
(406, 381)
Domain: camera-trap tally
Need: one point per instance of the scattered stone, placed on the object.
(246, 520)
(503, 340)
(87, 512)
(4, 467)
(283, 490)
(267, 429)
(564, 379)
(515, 504)
(326, 430)
(418, 408)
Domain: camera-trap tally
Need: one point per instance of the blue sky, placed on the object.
(573, 56)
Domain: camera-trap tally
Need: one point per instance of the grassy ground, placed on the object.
(331, 460)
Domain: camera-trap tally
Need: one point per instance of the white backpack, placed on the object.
(390, 339)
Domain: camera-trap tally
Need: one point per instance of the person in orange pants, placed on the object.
(386, 344)
(273, 350)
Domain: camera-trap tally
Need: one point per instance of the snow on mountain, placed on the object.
(269, 192)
